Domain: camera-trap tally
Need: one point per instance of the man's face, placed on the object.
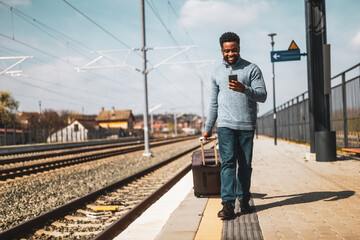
(230, 51)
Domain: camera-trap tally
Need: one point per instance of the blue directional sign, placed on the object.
(287, 55)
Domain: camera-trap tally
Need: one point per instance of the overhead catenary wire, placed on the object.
(181, 24)
(77, 90)
(183, 27)
(24, 16)
(50, 90)
(63, 39)
(157, 14)
(155, 11)
(53, 56)
(46, 53)
(96, 24)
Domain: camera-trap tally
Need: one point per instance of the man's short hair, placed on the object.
(229, 37)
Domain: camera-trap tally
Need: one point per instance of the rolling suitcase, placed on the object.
(206, 165)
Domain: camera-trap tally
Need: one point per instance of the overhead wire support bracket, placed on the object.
(104, 55)
(185, 48)
(6, 70)
(122, 63)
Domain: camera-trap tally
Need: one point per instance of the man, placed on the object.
(233, 104)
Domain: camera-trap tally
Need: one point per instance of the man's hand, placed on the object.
(236, 86)
(207, 135)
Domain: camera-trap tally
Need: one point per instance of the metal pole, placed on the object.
(319, 113)
(147, 151)
(152, 118)
(152, 125)
(343, 88)
(14, 136)
(202, 106)
(175, 125)
(5, 134)
(273, 78)
(40, 122)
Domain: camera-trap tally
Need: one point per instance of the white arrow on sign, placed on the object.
(275, 56)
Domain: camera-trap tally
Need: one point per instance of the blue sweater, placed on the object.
(233, 109)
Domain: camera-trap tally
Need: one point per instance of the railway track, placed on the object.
(23, 157)
(63, 158)
(128, 198)
(23, 154)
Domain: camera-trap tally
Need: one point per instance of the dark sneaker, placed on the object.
(227, 211)
(245, 206)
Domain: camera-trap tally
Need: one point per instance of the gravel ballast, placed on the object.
(27, 197)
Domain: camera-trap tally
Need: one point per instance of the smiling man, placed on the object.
(236, 86)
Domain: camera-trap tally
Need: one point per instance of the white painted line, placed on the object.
(150, 223)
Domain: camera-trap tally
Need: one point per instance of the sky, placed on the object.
(63, 36)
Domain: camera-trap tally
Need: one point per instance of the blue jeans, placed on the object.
(235, 145)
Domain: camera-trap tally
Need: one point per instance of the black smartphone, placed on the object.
(233, 77)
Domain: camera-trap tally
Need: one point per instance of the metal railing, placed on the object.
(293, 116)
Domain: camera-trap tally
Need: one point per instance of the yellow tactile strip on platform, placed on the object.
(210, 226)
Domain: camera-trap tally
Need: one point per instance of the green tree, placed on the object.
(8, 110)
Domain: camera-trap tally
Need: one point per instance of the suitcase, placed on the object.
(206, 164)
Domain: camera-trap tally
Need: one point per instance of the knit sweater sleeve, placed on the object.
(213, 106)
(257, 90)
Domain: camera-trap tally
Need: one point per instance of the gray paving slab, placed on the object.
(297, 198)
(184, 221)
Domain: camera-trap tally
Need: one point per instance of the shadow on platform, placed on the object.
(302, 198)
(348, 157)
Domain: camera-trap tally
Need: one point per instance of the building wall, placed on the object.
(122, 124)
(69, 134)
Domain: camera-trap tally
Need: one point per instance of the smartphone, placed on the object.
(233, 77)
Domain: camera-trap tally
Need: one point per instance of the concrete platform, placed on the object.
(295, 198)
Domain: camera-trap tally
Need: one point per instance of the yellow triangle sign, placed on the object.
(293, 46)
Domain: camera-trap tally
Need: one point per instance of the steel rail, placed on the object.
(125, 220)
(10, 150)
(41, 167)
(32, 224)
(70, 150)
(65, 152)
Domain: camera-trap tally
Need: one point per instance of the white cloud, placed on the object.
(355, 41)
(217, 13)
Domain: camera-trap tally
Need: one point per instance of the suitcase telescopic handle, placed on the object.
(202, 140)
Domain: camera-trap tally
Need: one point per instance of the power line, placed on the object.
(50, 31)
(171, 84)
(34, 48)
(53, 56)
(182, 25)
(162, 22)
(47, 99)
(48, 90)
(169, 32)
(95, 23)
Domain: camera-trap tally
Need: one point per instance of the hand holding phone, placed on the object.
(233, 77)
(234, 84)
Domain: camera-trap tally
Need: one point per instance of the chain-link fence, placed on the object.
(13, 136)
(293, 116)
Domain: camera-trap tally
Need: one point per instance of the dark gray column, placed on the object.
(319, 112)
